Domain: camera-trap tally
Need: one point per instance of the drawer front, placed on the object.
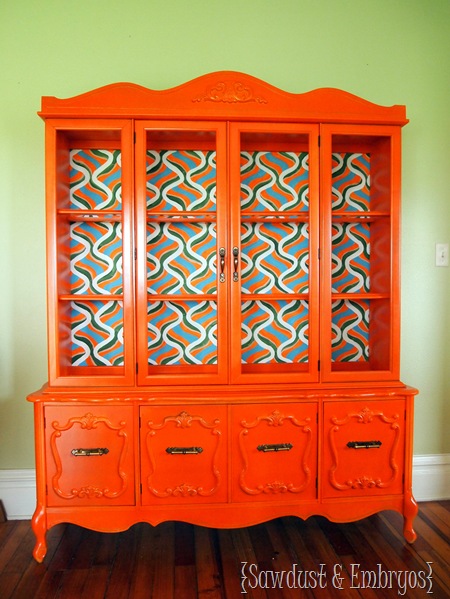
(274, 452)
(183, 454)
(364, 448)
(89, 455)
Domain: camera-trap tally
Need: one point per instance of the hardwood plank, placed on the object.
(67, 548)
(6, 529)
(231, 567)
(72, 583)
(122, 567)
(163, 584)
(12, 542)
(424, 551)
(96, 582)
(144, 572)
(438, 517)
(49, 585)
(8, 584)
(312, 552)
(182, 561)
(284, 560)
(106, 548)
(185, 578)
(245, 552)
(209, 580)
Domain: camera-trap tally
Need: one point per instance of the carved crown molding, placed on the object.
(230, 92)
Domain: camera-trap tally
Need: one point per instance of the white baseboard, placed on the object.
(431, 477)
(431, 482)
(18, 493)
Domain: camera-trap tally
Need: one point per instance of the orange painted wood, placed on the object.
(363, 448)
(227, 94)
(140, 407)
(90, 455)
(275, 455)
(62, 136)
(184, 455)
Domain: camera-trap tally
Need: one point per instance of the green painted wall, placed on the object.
(388, 51)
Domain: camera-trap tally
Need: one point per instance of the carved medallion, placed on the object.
(230, 92)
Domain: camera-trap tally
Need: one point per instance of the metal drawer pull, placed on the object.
(90, 452)
(222, 265)
(184, 450)
(275, 447)
(364, 444)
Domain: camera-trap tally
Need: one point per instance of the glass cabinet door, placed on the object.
(360, 196)
(89, 202)
(274, 247)
(182, 252)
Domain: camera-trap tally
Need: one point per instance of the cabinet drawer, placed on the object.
(89, 455)
(183, 454)
(364, 448)
(274, 452)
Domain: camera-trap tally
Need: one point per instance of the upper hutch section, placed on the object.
(222, 232)
(225, 95)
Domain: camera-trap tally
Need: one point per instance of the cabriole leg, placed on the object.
(39, 526)
(410, 510)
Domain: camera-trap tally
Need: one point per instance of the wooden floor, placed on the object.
(176, 560)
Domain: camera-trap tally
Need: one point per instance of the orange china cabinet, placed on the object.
(223, 308)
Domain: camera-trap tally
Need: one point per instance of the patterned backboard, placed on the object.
(182, 332)
(350, 257)
(96, 333)
(274, 331)
(96, 257)
(351, 181)
(181, 258)
(181, 180)
(274, 181)
(95, 179)
(350, 331)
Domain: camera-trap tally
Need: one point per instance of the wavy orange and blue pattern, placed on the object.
(274, 181)
(95, 179)
(181, 180)
(182, 332)
(275, 331)
(96, 333)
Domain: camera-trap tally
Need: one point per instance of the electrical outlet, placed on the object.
(442, 254)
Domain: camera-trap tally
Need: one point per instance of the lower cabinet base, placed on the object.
(224, 460)
(104, 519)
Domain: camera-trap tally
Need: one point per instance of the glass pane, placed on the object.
(95, 257)
(361, 253)
(274, 257)
(182, 232)
(350, 257)
(181, 257)
(351, 181)
(274, 181)
(96, 333)
(350, 331)
(95, 179)
(181, 180)
(182, 332)
(274, 331)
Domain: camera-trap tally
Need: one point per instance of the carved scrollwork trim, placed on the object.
(365, 481)
(230, 92)
(183, 420)
(88, 422)
(275, 419)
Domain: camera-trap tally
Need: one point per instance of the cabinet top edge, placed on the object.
(226, 95)
(238, 394)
